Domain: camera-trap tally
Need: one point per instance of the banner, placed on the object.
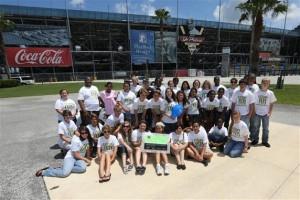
(270, 45)
(38, 57)
(169, 47)
(142, 46)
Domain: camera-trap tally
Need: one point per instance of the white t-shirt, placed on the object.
(239, 131)
(223, 102)
(95, 131)
(127, 99)
(66, 129)
(77, 145)
(229, 94)
(167, 109)
(178, 138)
(216, 130)
(253, 88)
(199, 92)
(175, 90)
(113, 120)
(193, 106)
(242, 101)
(162, 91)
(187, 92)
(203, 94)
(68, 104)
(107, 145)
(135, 89)
(137, 136)
(216, 88)
(210, 105)
(90, 97)
(156, 105)
(139, 105)
(263, 99)
(198, 139)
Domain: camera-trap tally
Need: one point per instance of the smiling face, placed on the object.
(180, 96)
(169, 93)
(159, 129)
(106, 131)
(88, 82)
(196, 127)
(64, 94)
(142, 127)
(179, 130)
(212, 95)
(94, 121)
(126, 87)
(84, 134)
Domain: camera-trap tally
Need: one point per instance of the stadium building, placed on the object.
(61, 44)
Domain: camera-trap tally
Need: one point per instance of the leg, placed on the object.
(177, 156)
(145, 157)
(245, 119)
(237, 150)
(208, 154)
(101, 166)
(138, 156)
(228, 146)
(63, 171)
(265, 125)
(108, 163)
(254, 136)
(252, 125)
(79, 166)
(191, 153)
(182, 156)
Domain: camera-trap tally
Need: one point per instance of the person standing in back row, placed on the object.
(89, 101)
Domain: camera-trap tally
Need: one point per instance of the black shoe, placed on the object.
(178, 166)
(221, 148)
(205, 162)
(183, 167)
(138, 170)
(254, 142)
(143, 169)
(266, 144)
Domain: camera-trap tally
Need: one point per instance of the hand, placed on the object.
(269, 114)
(199, 157)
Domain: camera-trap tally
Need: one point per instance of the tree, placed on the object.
(255, 10)
(5, 25)
(162, 15)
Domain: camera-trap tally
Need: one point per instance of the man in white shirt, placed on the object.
(217, 85)
(89, 101)
(264, 100)
(243, 102)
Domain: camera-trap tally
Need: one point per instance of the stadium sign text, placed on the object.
(38, 57)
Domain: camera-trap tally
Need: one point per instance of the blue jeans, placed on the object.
(246, 119)
(265, 124)
(234, 148)
(70, 165)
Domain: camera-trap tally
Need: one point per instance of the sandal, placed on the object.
(101, 180)
(40, 172)
(107, 178)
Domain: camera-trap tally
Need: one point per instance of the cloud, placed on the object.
(147, 8)
(77, 3)
(121, 7)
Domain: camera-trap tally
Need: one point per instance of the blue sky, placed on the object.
(197, 9)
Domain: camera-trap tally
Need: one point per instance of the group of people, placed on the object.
(111, 124)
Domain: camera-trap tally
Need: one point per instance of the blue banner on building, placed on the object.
(142, 46)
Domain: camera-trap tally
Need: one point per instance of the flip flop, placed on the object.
(108, 178)
(101, 180)
(40, 172)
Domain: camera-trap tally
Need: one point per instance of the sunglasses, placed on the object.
(126, 126)
(233, 82)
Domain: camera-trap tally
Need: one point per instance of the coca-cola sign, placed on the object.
(38, 57)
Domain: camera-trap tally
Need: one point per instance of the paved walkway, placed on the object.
(261, 174)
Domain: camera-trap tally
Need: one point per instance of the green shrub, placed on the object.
(8, 83)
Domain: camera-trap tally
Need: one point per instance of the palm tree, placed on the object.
(5, 25)
(255, 10)
(162, 15)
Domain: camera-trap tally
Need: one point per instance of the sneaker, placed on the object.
(167, 170)
(254, 142)
(183, 167)
(178, 166)
(158, 170)
(143, 169)
(138, 170)
(266, 144)
(130, 167)
(125, 170)
(205, 162)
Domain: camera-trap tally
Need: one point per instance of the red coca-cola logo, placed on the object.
(34, 57)
(48, 57)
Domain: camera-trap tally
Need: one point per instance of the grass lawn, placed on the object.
(47, 89)
(290, 94)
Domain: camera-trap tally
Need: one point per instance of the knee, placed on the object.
(233, 154)
(65, 173)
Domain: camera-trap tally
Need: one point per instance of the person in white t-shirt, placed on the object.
(159, 128)
(95, 129)
(252, 86)
(233, 87)
(185, 87)
(125, 150)
(194, 108)
(197, 85)
(135, 87)
(171, 86)
(206, 87)
(140, 106)
(136, 140)
(166, 109)
(223, 104)
(217, 85)
(218, 135)
(74, 161)
(264, 101)
(66, 129)
(238, 142)
(126, 98)
(210, 106)
(243, 102)
(179, 142)
(89, 101)
(107, 151)
(116, 119)
(65, 103)
(154, 104)
(198, 147)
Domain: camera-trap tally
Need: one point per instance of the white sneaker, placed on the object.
(167, 170)
(158, 170)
